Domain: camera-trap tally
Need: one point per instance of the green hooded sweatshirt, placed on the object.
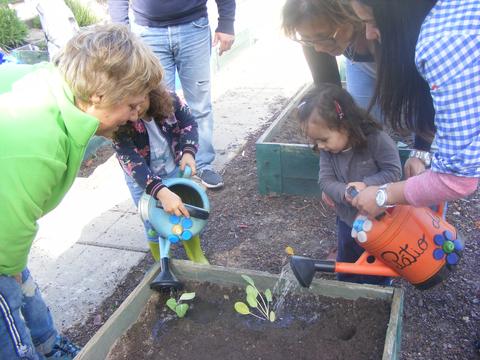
(43, 137)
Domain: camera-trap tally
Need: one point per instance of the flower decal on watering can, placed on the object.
(180, 228)
(361, 226)
(449, 247)
(172, 227)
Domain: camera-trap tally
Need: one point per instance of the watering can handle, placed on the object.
(194, 211)
(187, 172)
(354, 192)
(440, 209)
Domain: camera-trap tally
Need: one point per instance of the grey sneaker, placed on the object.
(210, 178)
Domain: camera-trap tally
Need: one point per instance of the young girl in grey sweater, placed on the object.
(354, 151)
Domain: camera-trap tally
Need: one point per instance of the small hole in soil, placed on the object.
(371, 259)
(348, 333)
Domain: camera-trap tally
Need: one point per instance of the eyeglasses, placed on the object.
(320, 40)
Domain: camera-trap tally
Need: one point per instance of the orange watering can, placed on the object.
(414, 243)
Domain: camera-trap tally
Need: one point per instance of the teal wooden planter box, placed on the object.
(290, 169)
(128, 312)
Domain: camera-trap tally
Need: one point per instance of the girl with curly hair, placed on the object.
(159, 145)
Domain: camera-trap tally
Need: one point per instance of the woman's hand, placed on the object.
(188, 159)
(172, 203)
(358, 185)
(225, 41)
(365, 202)
(413, 166)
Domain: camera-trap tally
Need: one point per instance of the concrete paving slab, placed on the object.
(125, 207)
(123, 231)
(74, 282)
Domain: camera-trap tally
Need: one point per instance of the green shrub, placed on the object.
(83, 15)
(13, 31)
(36, 22)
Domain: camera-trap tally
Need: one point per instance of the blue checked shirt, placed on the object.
(448, 58)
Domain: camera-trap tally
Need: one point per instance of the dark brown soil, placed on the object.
(251, 231)
(311, 325)
(101, 155)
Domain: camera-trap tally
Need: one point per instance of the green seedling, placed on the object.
(177, 306)
(255, 300)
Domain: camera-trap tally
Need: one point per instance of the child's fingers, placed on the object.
(182, 211)
(193, 167)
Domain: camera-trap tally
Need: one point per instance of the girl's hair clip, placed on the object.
(302, 104)
(338, 110)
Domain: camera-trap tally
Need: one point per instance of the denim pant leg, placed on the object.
(186, 48)
(193, 64)
(361, 80)
(350, 251)
(162, 41)
(23, 316)
(136, 191)
(37, 315)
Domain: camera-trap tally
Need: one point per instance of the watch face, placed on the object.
(381, 198)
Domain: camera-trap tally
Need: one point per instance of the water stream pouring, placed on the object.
(414, 243)
(173, 229)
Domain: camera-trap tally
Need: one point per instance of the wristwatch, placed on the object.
(424, 156)
(381, 197)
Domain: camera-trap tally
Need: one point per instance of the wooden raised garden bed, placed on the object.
(286, 167)
(331, 319)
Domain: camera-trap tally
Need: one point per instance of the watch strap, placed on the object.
(383, 188)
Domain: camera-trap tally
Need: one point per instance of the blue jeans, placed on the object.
(186, 48)
(27, 329)
(349, 251)
(361, 80)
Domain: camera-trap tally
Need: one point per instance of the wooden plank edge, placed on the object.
(394, 330)
(282, 116)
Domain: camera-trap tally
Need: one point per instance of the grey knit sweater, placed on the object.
(377, 164)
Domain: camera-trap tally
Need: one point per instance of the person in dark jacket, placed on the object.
(179, 34)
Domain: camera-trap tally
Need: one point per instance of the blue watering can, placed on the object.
(173, 229)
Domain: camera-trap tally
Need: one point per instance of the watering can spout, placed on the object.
(166, 280)
(304, 268)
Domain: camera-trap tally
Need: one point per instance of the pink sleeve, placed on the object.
(430, 188)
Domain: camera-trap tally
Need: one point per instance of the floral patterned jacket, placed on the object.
(133, 152)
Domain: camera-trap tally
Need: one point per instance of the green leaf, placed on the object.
(271, 316)
(251, 291)
(181, 310)
(172, 304)
(187, 296)
(252, 300)
(248, 279)
(268, 295)
(241, 308)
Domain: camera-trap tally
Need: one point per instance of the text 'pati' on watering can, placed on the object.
(414, 243)
(173, 228)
